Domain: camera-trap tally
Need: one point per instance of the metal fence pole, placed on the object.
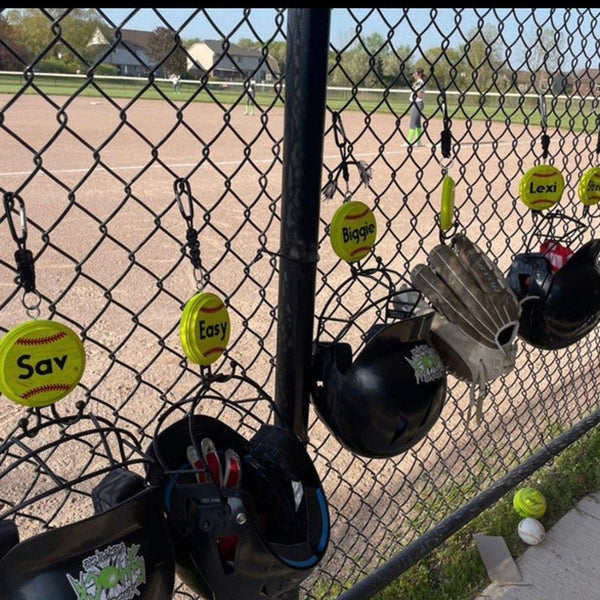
(305, 97)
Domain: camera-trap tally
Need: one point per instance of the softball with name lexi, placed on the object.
(541, 187)
(40, 363)
(204, 328)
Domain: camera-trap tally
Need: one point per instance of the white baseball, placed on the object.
(531, 531)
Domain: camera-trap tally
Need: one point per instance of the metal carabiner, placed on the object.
(182, 186)
(9, 204)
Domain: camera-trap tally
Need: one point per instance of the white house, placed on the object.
(230, 62)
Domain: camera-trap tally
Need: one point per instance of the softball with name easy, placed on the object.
(531, 531)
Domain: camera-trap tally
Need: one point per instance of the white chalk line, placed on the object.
(237, 162)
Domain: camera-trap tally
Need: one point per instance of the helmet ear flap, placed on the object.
(9, 537)
(530, 275)
(331, 354)
(279, 449)
(276, 459)
(119, 485)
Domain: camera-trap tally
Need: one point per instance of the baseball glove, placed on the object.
(467, 288)
(465, 358)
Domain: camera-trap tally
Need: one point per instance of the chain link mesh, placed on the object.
(94, 159)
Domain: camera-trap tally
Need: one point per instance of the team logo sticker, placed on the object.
(204, 328)
(353, 231)
(115, 573)
(426, 363)
(40, 363)
(541, 187)
(589, 187)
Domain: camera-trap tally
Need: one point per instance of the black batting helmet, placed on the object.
(558, 308)
(382, 398)
(248, 517)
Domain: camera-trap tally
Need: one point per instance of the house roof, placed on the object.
(131, 37)
(134, 37)
(217, 47)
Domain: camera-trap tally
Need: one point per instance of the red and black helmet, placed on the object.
(558, 307)
(247, 515)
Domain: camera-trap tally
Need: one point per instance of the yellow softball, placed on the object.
(529, 502)
(204, 328)
(589, 187)
(353, 231)
(40, 363)
(541, 187)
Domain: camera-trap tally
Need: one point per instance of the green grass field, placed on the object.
(455, 570)
(574, 114)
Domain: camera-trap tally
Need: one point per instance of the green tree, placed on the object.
(54, 37)
(444, 68)
(169, 56)
(278, 50)
(482, 62)
(397, 67)
(248, 44)
(12, 54)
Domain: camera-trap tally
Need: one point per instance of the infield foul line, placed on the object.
(237, 162)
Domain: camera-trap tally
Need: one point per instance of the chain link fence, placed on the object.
(90, 164)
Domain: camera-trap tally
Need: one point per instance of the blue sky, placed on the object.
(426, 26)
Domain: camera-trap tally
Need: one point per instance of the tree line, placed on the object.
(56, 40)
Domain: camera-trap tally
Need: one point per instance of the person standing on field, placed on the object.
(416, 113)
(176, 79)
(251, 93)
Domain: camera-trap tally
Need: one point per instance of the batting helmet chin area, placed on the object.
(385, 400)
(122, 551)
(557, 308)
(255, 523)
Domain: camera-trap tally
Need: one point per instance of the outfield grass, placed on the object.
(575, 114)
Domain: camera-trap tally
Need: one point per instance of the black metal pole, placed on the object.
(304, 121)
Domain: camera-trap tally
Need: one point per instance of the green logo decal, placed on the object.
(426, 363)
(114, 573)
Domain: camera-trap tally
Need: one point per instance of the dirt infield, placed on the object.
(97, 180)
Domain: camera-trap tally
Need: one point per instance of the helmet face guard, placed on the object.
(258, 533)
(558, 308)
(123, 550)
(385, 399)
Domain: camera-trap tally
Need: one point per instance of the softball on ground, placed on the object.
(531, 531)
(40, 363)
(353, 231)
(529, 502)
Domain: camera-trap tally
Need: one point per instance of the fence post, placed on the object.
(304, 120)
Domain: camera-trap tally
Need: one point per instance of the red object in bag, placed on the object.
(556, 253)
